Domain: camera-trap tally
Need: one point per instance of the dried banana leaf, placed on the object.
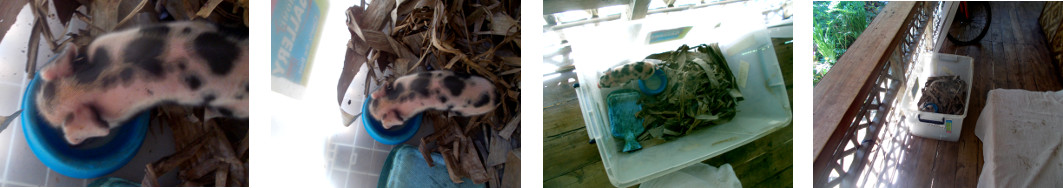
(944, 94)
(701, 92)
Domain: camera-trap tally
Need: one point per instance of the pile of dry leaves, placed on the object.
(475, 37)
(701, 91)
(944, 94)
(209, 153)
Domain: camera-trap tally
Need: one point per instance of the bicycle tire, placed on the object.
(981, 34)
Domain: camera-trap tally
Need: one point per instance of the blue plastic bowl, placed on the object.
(393, 136)
(92, 158)
(658, 75)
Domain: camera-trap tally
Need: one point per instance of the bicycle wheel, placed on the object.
(971, 23)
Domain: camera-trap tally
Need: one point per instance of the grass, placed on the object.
(836, 25)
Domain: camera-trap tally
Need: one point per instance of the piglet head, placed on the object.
(385, 106)
(63, 107)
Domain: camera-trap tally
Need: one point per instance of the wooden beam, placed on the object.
(638, 9)
(842, 91)
(561, 26)
(556, 6)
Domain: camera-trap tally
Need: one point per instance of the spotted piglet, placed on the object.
(86, 92)
(463, 94)
(620, 75)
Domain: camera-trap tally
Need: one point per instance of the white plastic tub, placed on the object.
(764, 110)
(934, 125)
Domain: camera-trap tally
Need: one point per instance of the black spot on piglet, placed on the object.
(144, 53)
(49, 91)
(126, 75)
(420, 85)
(225, 112)
(394, 91)
(218, 52)
(484, 99)
(87, 71)
(181, 64)
(107, 81)
(193, 82)
(454, 84)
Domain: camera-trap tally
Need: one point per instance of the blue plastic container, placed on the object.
(91, 159)
(659, 77)
(393, 136)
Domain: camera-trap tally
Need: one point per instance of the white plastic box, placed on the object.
(743, 41)
(934, 125)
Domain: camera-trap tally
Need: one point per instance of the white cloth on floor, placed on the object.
(1022, 139)
(697, 175)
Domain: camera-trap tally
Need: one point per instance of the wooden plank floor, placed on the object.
(1013, 55)
(571, 161)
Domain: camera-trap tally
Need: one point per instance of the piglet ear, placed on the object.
(60, 66)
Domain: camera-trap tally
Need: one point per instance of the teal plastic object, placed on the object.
(623, 104)
(93, 158)
(393, 136)
(406, 167)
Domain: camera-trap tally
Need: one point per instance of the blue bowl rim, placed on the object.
(659, 75)
(389, 136)
(53, 150)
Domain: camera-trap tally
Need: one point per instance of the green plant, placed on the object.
(835, 26)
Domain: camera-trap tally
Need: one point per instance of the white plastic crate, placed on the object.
(935, 125)
(743, 41)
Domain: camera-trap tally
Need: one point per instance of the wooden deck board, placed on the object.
(783, 179)
(8, 13)
(567, 152)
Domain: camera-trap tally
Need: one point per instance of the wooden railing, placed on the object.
(852, 101)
